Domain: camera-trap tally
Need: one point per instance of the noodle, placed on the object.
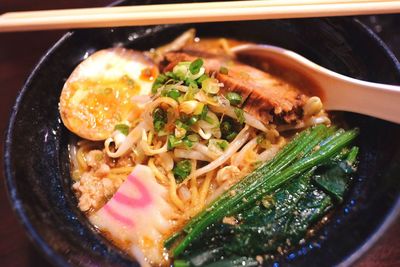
(204, 187)
(193, 185)
(148, 150)
(233, 147)
(239, 157)
(159, 175)
(172, 193)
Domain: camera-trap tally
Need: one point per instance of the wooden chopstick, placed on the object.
(190, 12)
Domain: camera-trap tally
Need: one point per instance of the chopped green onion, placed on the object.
(234, 98)
(198, 109)
(180, 130)
(182, 170)
(202, 78)
(204, 112)
(209, 120)
(226, 127)
(180, 124)
(171, 75)
(184, 63)
(223, 144)
(158, 126)
(173, 142)
(195, 66)
(239, 115)
(192, 90)
(192, 120)
(174, 94)
(231, 136)
(191, 82)
(123, 128)
(158, 82)
(159, 119)
(210, 86)
(187, 142)
(193, 137)
(180, 71)
(223, 70)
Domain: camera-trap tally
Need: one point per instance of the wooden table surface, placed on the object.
(19, 52)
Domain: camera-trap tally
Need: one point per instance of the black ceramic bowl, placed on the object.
(36, 157)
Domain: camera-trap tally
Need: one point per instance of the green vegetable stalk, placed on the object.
(310, 148)
(277, 222)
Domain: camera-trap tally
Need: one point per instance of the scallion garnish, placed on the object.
(180, 124)
(234, 98)
(202, 78)
(182, 170)
(192, 120)
(173, 142)
(223, 144)
(192, 90)
(204, 112)
(171, 75)
(174, 94)
(193, 138)
(159, 81)
(231, 136)
(159, 119)
(210, 86)
(187, 142)
(195, 66)
(239, 115)
(122, 128)
(226, 127)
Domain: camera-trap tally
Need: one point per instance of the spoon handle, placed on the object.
(339, 92)
(373, 99)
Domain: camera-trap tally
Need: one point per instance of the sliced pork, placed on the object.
(265, 96)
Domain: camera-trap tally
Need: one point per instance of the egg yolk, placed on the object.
(96, 106)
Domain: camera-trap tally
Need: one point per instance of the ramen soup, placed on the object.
(189, 156)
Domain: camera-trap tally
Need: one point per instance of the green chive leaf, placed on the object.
(195, 66)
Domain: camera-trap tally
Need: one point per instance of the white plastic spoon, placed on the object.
(339, 92)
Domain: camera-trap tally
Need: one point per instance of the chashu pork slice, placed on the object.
(266, 96)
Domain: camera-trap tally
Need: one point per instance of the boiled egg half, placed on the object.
(98, 94)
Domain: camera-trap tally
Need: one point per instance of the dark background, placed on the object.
(19, 52)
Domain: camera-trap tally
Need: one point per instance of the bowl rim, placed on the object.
(59, 260)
